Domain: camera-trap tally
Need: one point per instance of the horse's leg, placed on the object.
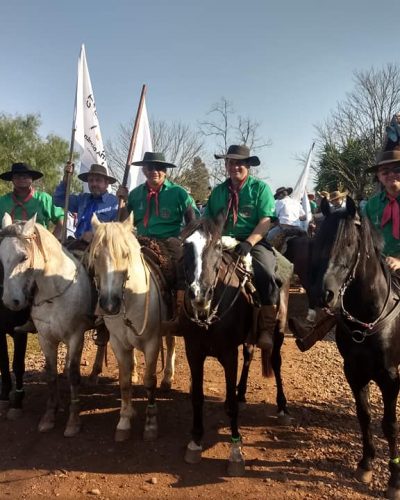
(6, 382)
(124, 358)
(150, 383)
(236, 462)
(276, 362)
(196, 360)
(20, 342)
(135, 373)
(360, 391)
(169, 371)
(98, 364)
(389, 384)
(248, 353)
(49, 348)
(75, 347)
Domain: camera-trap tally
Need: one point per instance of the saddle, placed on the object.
(279, 241)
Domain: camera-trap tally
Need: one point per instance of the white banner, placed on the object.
(300, 190)
(88, 140)
(143, 144)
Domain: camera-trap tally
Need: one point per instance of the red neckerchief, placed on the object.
(150, 193)
(233, 201)
(21, 203)
(392, 213)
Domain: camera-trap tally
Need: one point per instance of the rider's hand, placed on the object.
(243, 248)
(393, 263)
(122, 192)
(69, 168)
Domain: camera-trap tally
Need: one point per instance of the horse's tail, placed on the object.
(266, 363)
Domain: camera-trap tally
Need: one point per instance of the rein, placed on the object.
(213, 316)
(366, 329)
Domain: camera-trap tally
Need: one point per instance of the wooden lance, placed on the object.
(67, 178)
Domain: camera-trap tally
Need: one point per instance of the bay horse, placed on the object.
(350, 277)
(11, 401)
(217, 319)
(133, 307)
(39, 272)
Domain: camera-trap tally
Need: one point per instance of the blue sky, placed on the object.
(283, 63)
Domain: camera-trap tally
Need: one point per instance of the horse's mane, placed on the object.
(207, 226)
(119, 241)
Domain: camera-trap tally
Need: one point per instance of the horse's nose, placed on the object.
(329, 295)
(110, 305)
(16, 302)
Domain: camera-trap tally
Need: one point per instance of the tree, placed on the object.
(179, 143)
(196, 180)
(224, 127)
(359, 121)
(20, 141)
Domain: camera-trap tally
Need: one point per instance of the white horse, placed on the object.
(39, 271)
(133, 306)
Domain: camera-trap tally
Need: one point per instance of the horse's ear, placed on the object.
(325, 207)
(29, 226)
(7, 220)
(351, 208)
(95, 222)
(129, 222)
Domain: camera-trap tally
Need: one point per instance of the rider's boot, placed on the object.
(27, 327)
(172, 326)
(266, 326)
(308, 332)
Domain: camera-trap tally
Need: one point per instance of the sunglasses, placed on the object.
(156, 167)
(387, 171)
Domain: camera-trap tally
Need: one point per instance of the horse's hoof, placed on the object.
(192, 456)
(122, 435)
(393, 493)
(284, 419)
(72, 430)
(165, 386)
(364, 476)
(236, 469)
(150, 434)
(14, 413)
(46, 426)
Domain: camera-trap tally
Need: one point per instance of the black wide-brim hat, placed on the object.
(156, 159)
(242, 152)
(20, 168)
(97, 170)
(281, 190)
(384, 158)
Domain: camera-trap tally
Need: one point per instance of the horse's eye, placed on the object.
(23, 258)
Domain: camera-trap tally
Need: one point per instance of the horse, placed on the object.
(217, 318)
(351, 278)
(11, 401)
(133, 307)
(40, 273)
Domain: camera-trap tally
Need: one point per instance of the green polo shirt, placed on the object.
(173, 201)
(40, 204)
(374, 211)
(256, 201)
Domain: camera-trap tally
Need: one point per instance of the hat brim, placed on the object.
(163, 164)
(289, 191)
(374, 168)
(84, 177)
(252, 161)
(7, 176)
(342, 195)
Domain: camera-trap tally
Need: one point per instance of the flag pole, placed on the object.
(132, 145)
(68, 180)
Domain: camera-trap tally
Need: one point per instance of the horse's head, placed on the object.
(110, 257)
(17, 256)
(335, 253)
(202, 257)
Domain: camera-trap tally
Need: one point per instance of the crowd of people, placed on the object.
(253, 214)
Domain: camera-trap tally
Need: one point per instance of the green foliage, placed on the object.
(20, 141)
(196, 179)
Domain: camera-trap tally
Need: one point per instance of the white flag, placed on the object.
(300, 190)
(88, 142)
(142, 145)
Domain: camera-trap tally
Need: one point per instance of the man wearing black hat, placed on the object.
(98, 200)
(24, 201)
(160, 207)
(383, 210)
(249, 206)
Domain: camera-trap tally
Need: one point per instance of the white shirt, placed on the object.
(289, 211)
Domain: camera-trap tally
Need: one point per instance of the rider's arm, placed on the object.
(259, 231)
